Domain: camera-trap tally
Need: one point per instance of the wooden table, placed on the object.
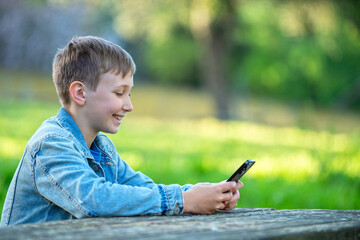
(247, 223)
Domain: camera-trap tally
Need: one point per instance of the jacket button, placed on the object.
(176, 210)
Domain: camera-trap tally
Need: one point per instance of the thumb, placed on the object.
(226, 186)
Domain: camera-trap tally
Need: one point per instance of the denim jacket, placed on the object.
(57, 179)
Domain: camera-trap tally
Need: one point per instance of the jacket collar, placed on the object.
(68, 123)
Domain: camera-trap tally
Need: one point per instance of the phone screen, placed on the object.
(242, 170)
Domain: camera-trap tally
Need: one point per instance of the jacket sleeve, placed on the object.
(126, 175)
(62, 176)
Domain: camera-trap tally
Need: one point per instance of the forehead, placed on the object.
(111, 79)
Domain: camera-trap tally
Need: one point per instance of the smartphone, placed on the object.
(242, 170)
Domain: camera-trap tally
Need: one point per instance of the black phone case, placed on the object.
(242, 170)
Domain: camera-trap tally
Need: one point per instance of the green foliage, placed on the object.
(290, 60)
(294, 50)
(173, 60)
(295, 168)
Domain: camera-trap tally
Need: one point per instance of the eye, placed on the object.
(119, 94)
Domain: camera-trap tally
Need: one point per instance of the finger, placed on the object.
(220, 206)
(239, 184)
(236, 195)
(230, 206)
(226, 186)
(227, 196)
(233, 202)
(235, 198)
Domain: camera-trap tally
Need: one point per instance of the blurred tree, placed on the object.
(211, 23)
(350, 10)
(295, 50)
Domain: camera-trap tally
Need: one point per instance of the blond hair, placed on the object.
(84, 59)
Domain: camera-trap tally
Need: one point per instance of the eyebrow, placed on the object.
(124, 85)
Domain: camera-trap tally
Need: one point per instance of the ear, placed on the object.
(77, 93)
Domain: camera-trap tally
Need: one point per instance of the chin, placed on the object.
(111, 128)
(113, 131)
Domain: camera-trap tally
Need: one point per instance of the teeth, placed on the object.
(117, 117)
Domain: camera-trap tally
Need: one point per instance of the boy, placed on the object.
(71, 170)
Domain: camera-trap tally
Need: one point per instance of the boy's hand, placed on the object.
(236, 196)
(205, 198)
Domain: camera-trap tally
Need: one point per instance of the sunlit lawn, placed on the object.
(296, 167)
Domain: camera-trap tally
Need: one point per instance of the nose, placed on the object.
(128, 107)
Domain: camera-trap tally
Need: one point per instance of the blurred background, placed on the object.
(217, 82)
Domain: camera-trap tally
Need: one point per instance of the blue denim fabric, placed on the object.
(57, 179)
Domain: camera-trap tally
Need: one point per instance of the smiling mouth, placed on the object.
(118, 117)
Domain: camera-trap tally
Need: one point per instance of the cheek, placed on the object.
(106, 103)
(113, 105)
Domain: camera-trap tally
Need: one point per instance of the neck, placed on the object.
(81, 122)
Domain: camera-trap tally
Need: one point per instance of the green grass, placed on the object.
(295, 168)
(305, 158)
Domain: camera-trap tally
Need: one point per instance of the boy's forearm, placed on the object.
(189, 202)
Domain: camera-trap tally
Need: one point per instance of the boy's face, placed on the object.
(107, 105)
